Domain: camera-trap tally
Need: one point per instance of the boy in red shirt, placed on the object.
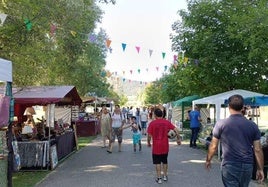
(158, 130)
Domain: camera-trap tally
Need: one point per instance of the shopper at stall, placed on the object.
(105, 122)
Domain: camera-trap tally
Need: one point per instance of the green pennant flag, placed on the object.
(28, 24)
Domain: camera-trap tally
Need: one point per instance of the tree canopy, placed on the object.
(49, 43)
(222, 45)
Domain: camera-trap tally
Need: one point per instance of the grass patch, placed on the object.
(84, 141)
(28, 178)
(31, 178)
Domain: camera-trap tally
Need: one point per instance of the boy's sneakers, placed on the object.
(165, 178)
(158, 180)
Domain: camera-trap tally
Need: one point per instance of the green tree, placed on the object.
(48, 44)
(226, 43)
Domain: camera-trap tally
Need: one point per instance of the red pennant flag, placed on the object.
(108, 43)
(138, 49)
(175, 58)
(52, 29)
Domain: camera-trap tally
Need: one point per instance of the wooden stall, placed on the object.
(52, 139)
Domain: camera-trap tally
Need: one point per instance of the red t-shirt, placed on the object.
(158, 129)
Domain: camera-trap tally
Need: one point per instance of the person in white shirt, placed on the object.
(144, 120)
(117, 124)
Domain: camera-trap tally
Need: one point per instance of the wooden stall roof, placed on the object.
(43, 95)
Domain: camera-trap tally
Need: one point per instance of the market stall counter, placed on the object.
(34, 154)
(86, 128)
(65, 144)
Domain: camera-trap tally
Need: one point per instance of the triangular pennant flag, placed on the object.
(73, 33)
(2, 18)
(175, 58)
(91, 38)
(139, 70)
(147, 69)
(165, 67)
(52, 29)
(150, 52)
(130, 71)
(157, 68)
(123, 72)
(28, 24)
(185, 59)
(138, 49)
(129, 80)
(124, 46)
(108, 43)
(124, 79)
(163, 54)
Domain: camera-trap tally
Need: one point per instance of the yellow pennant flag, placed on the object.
(73, 33)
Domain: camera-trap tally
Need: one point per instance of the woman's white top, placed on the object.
(116, 120)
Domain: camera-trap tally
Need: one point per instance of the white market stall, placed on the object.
(220, 98)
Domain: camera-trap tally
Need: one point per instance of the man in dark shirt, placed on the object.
(240, 141)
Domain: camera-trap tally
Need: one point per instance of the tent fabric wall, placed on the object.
(219, 99)
(5, 70)
(183, 105)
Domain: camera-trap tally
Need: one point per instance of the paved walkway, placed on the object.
(92, 166)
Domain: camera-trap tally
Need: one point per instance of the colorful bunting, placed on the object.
(52, 30)
(150, 52)
(2, 18)
(28, 24)
(163, 55)
(166, 67)
(108, 43)
(73, 33)
(124, 46)
(175, 58)
(92, 38)
(138, 49)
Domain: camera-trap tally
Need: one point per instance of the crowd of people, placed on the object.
(149, 122)
(240, 139)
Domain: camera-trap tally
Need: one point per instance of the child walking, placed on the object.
(136, 135)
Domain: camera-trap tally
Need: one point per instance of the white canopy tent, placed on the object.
(220, 98)
(5, 70)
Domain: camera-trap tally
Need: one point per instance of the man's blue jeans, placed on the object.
(235, 174)
(194, 136)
